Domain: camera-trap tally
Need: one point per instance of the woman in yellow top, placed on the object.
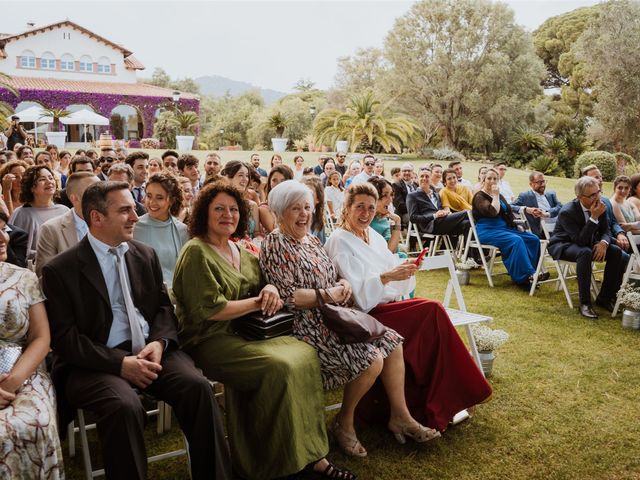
(454, 196)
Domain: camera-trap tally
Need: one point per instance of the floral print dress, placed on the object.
(29, 442)
(290, 264)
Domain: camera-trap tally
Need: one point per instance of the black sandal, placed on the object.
(333, 471)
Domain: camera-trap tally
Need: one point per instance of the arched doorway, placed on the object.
(126, 123)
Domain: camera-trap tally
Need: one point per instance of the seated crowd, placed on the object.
(139, 267)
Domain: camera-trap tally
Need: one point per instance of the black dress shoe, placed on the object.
(544, 276)
(607, 304)
(587, 311)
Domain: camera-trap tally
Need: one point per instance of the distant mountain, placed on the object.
(218, 86)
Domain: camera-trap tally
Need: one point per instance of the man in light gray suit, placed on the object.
(63, 232)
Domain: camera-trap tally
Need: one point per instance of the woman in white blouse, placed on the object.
(444, 379)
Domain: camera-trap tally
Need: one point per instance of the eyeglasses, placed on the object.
(540, 182)
(369, 164)
(341, 156)
(593, 195)
(108, 159)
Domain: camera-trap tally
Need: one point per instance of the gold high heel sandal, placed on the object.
(348, 442)
(418, 433)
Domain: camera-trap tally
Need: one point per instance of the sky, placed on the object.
(266, 43)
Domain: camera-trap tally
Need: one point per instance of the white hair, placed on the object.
(285, 193)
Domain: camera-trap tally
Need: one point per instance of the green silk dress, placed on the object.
(273, 388)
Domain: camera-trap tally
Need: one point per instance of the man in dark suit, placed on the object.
(401, 189)
(113, 329)
(537, 203)
(582, 235)
(425, 210)
(618, 234)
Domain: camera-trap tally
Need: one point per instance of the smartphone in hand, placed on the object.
(421, 256)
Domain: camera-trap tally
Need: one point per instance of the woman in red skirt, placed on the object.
(441, 377)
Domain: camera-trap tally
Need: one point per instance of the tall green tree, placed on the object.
(355, 74)
(367, 125)
(459, 66)
(161, 78)
(609, 49)
(236, 115)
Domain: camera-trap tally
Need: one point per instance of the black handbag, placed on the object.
(351, 325)
(256, 326)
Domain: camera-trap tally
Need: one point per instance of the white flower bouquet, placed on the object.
(629, 296)
(487, 339)
(468, 264)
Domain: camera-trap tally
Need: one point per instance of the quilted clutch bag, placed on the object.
(8, 357)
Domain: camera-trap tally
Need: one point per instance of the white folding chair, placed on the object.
(633, 267)
(434, 241)
(460, 317)
(473, 241)
(329, 224)
(564, 268)
(82, 428)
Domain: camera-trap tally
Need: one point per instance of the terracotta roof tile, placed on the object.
(143, 89)
(133, 63)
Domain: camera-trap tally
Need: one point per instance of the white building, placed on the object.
(64, 65)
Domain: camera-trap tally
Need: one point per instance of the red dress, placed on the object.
(441, 377)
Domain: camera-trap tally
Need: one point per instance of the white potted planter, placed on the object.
(185, 142)
(342, 146)
(279, 144)
(56, 138)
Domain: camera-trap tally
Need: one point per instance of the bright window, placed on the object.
(48, 61)
(104, 65)
(86, 64)
(67, 63)
(28, 59)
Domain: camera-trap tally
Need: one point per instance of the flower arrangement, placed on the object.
(487, 339)
(629, 296)
(150, 143)
(468, 264)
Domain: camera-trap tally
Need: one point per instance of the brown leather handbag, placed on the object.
(351, 325)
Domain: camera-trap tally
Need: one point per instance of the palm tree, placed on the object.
(279, 122)
(186, 122)
(524, 140)
(57, 114)
(367, 125)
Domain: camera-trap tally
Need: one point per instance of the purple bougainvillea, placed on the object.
(102, 103)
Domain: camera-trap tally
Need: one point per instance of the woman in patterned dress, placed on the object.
(29, 442)
(294, 261)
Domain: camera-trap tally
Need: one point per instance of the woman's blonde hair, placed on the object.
(350, 196)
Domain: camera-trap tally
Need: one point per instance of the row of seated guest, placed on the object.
(135, 459)
(273, 388)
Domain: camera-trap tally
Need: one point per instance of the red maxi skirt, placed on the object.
(441, 376)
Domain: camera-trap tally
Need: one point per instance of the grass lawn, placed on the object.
(565, 402)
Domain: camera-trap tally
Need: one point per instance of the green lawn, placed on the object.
(565, 402)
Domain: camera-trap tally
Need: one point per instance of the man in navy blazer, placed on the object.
(537, 203)
(425, 211)
(582, 235)
(619, 236)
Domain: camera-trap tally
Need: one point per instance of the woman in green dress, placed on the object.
(273, 388)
